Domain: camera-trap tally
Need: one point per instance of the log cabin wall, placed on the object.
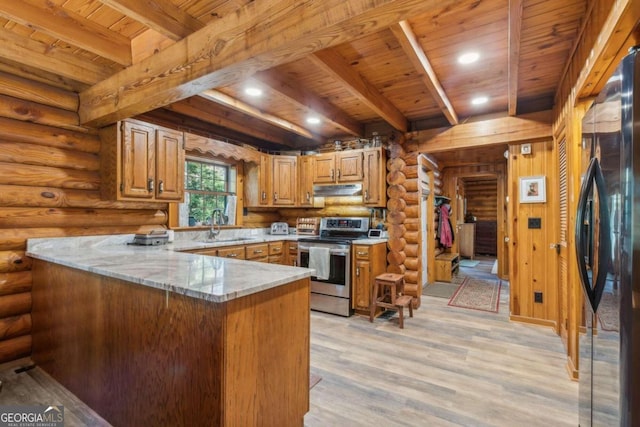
(482, 198)
(536, 269)
(49, 187)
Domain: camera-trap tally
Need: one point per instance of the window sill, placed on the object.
(205, 227)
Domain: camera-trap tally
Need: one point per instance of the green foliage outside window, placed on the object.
(207, 186)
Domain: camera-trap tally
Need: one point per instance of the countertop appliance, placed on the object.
(332, 294)
(153, 238)
(279, 228)
(609, 388)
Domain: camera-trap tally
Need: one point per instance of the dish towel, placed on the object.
(230, 210)
(319, 260)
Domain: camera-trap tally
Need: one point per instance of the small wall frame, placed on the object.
(533, 189)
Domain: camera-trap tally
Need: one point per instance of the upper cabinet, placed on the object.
(271, 182)
(374, 181)
(340, 166)
(305, 180)
(142, 161)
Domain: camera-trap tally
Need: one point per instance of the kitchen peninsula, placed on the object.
(150, 336)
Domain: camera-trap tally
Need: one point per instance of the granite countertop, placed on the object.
(163, 267)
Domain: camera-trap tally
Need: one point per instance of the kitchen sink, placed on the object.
(228, 239)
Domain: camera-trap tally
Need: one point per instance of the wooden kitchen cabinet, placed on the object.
(237, 252)
(368, 262)
(466, 239)
(338, 167)
(292, 253)
(273, 182)
(305, 180)
(257, 252)
(374, 182)
(284, 180)
(142, 161)
(276, 253)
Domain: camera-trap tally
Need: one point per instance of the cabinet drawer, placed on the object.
(276, 248)
(361, 252)
(276, 259)
(257, 251)
(236, 252)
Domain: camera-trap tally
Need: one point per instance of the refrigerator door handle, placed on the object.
(594, 176)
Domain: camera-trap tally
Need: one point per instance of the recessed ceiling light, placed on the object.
(253, 91)
(468, 57)
(313, 120)
(480, 100)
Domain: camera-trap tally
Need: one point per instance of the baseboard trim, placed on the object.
(532, 320)
(574, 375)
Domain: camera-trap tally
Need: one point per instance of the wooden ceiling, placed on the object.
(353, 64)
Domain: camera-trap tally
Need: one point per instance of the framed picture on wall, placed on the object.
(533, 189)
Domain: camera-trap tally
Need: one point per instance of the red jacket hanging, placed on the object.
(445, 231)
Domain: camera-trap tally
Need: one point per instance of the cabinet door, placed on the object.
(349, 166)
(284, 180)
(305, 175)
(138, 160)
(362, 289)
(264, 180)
(373, 185)
(324, 168)
(169, 165)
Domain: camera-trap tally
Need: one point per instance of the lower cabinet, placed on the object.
(276, 253)
(368, 262)
(292, 253)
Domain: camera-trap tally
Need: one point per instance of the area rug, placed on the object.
(608, 313)
(440, 290)
(477, 294)
(313, 380)
(468, 263)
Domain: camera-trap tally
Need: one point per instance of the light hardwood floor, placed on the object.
(448, 367)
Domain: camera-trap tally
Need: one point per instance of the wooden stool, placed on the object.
(392, 286)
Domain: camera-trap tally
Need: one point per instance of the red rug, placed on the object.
(477, 294)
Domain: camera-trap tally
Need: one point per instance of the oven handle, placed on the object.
(339, 252)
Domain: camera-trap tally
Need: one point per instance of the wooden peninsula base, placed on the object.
(144, 356)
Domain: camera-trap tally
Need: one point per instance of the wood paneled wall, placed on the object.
(482, 198)
(535, 266)
(49, 187)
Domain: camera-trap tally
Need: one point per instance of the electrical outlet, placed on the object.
(537, 297)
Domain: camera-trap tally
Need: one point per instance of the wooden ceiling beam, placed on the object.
(70, 27)
(161, 15)
(249, 110)
(303, 98)
(57, 61)
(258, 36)
(503, 130)
(336, 66)
(213, 113)
(411, 47)
(515, 25)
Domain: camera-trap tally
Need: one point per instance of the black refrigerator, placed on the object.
(608, 251)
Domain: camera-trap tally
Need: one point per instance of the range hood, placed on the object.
(337, 190)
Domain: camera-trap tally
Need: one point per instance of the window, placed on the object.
(208, 186)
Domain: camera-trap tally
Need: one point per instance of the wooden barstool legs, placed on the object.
(394, 284)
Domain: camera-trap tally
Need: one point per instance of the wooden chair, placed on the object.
(387, 292)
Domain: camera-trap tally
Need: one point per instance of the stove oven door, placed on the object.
(338, 282)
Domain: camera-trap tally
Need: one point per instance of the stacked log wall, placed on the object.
(403, 218)
(49, 187)
(482, 199)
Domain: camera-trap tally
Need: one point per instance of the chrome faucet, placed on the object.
(213, 232)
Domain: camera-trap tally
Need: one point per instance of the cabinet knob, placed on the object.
(332, 174)
(275, 196)
(338, 173)
(358, 271)
(232, 255)
(150, 184)
(160, 186)
(366, 194)
(362, 253)
(308, 196)
(264, 195)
